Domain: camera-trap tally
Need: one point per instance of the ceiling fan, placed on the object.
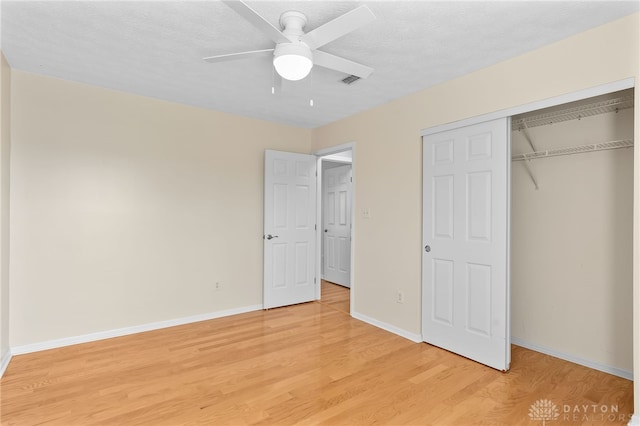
(296, 52)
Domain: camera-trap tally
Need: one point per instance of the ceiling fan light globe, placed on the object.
(292, 61)
(293, 67)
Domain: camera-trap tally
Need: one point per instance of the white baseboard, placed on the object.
(575, 359)
(388, 327)
(4, 362)
(85, 338)
(635, 420)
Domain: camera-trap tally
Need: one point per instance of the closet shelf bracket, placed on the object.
(527, 166)
(527, 162)
(525, 131)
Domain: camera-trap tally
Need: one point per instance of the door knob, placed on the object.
(326, 230)
(270, 237)
(427, 248)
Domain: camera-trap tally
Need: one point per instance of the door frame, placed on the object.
(628, 83)
(319, 154)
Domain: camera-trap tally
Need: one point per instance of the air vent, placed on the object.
(350, 79)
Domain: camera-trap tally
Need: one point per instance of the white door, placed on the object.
(465, 258)
(337, 224)
(289, 228)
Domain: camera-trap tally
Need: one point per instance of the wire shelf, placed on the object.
(602, 146)
(574, 113)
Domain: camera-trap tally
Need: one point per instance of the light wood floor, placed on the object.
(307, 364)
(335, 296)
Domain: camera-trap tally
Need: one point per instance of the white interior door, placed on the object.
(337, 224)
(289, 228)
(465, 277)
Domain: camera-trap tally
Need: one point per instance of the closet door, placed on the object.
(465, 277)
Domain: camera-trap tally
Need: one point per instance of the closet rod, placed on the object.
(602, 146)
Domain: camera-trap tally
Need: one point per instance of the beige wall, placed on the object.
(126, 210)
(388, 161)
(5, 136)
(572, 241)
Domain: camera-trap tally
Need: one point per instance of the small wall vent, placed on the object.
(351, 79)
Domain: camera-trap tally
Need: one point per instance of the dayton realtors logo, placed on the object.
(545, 410)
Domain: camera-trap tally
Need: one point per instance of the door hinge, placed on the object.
(315, 227)
(314, 280)
(351, 178)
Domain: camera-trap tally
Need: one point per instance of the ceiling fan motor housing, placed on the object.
(293, 22)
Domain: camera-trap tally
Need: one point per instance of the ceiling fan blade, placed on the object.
(257, 21)
(327, 60)
(338, 27)
(241, 55)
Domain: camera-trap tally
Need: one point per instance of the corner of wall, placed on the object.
(5, 147)
(5, 358)
(636, 248)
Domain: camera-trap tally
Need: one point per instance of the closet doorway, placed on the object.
(571, 280)
(572, 231)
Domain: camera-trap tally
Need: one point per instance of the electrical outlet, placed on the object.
(366, 213)
(399, 297)
(218, 286)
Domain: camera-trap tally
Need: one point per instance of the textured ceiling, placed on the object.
(155, 49)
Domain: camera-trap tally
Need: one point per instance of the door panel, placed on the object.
(289, 228)
(465, 234)
(337, 225)
(442, 299)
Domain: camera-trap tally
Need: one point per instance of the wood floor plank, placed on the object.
(335, 296)
(305, 364)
